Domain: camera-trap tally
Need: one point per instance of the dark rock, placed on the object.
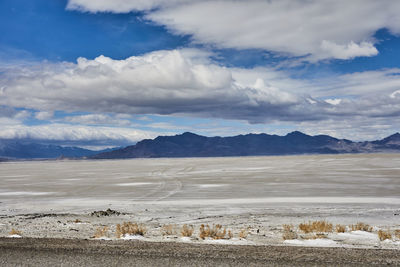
(102, 213)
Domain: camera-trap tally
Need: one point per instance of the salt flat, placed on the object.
(256, 193)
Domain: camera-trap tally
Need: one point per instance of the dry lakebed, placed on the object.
(285, 210)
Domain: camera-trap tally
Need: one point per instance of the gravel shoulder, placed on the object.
(80, 252)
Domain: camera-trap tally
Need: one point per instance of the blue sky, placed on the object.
(106, 73)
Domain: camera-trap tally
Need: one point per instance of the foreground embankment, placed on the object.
(79, 252)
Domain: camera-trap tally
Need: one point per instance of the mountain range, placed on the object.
(19, 149)
(193, 145)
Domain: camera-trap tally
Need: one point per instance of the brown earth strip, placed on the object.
(80, 252)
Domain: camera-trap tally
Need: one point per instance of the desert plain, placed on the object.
(252, 197)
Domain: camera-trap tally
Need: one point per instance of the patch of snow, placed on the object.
(391, 242)
(227, 241)
(133, 237)
(15, 236)
(186, 239)
(312, 242)
(359, 236)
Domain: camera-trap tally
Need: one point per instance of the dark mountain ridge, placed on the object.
(17, 149)
(193, 145)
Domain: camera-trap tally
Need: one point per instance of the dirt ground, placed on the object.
(80, 252)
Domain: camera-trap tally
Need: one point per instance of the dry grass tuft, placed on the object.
(214, 232)
(243, 233)
(15, 232)
(361, 227)
(316, 226)
(230, 234)
(169, 229)
(187, 230)
(288, 232)
(318, 236)
(129, 228)
(397, 233)
(101, 232)
(383, 235)
(340, 228)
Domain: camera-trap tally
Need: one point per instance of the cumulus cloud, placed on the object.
(348, 51)
(187, 82)
(77, 134)
(161, 82)
(313, 29)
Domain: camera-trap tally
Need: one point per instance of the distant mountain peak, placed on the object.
(296, 133)
(188, 134)
(392, 139)
(396, 135)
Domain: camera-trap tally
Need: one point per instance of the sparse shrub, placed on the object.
(77, 221)
(243, 233)
(187, 230)
(214, 232)
(169, 229)
(129, 228)
(383, 235)
(319, 236)
(101, 232)
(230, 234)
(15, 232)
(397, 233)
(361, 227)
(316, 226)
(340, 228)
(118, 232)
(288, 232)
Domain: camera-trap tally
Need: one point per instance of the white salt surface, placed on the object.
(133, 237)
(210, 185)
(256, 193)
(359, 236)
(21, 193)
(15, 236)
(133, 184)
(312, 242)
(235, 241)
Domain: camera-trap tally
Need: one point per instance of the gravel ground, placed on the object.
(80, 252)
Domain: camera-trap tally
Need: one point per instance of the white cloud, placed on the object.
(161, 82)
(334, 101)
(320, 30)
(99, 119)
(188, 83)
(66, 132)
(44, 115)
(395, 94)
(357, 128)
(348, 51)
(119, 6)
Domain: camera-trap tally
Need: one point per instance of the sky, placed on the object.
(100, 73)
